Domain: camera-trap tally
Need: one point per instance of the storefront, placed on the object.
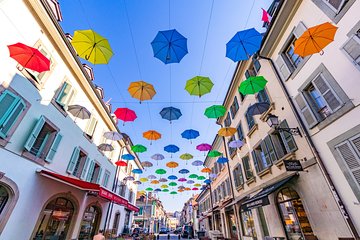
(90, 222)
(231, 222)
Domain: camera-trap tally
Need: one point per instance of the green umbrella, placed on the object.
(173, 192)
(193, 176)
(160, 171)
(201, 178)
(165, 190)
(149, 189)
(172, 184)
(214, 153)
(199, 86)
(252, 85)
(186, 156)
(215, 111)
(138, 148)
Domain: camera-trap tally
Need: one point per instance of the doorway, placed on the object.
(90, 222)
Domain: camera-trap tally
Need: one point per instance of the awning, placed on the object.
(94, 188)
(261, 198)
(132, 207)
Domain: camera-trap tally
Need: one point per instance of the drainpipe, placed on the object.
(315, 152)
(212, 206)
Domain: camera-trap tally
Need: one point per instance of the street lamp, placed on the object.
(273, 122)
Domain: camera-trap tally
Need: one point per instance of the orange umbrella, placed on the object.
(172, 164)
(152, 135)
(180, 190)
(206, 170)
(227, 131)
(154, 182)
(187, 189)
(141, 90)
(315, 39)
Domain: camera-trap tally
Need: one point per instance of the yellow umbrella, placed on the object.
(197, 185)
(227, 131)
(92, 47)
(143, 180)
(164, 186)
(154, 182)
(141, 90)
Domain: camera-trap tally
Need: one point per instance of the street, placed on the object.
(172, 236)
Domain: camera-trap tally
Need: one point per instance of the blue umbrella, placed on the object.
(172, 177)
(169, 46)
(184, 171)
(157, 190)
(207, 181)
(244, 44)
(222, 160)
(171, 148)
(190, 134)
(170, 113)
(128, 157)
(258, 108)
(137, 171)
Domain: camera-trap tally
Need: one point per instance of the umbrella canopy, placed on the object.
(154, 182)
(193, 176)
(206, 170)
(157, 190)
(315, 39)
(137, 171)
(105, 147)
(190, 134)
(165, 190)
(227, 131)
(182, 179)
(244, 44)
(199, 86)
(172, 184)
(143, 180)
(170, 113)
(187, 189)
(138, 148)
(173, 193)
(28, 57)
(160, 171)
(164, 186)
(125, 114)
(201, 178)
(181, 190)
(121, 163)
(204, 147)
(113, 136)
(151, 177)
(214, 153)
(190, 182)
(79, 111)
(141, 90)
(252, 85)
(236, 144)
(147, 164)
(149, 189)
(195, 189)
(197, 185)
(128, 157)
(169, 46)
(258, 108)
(184, 171)
(171, 148)
(92, 47)
(197, 163)
(207, 181)
(215, 111)
(152, 135)
(181, 187)
(162, 180)
(157, 157)
(172, 177)
(186, 156)
(222, 160)
(138, 182)
(172, 164)
(129, 178)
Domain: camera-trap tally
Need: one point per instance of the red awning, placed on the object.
(131, 207)
(86, 186)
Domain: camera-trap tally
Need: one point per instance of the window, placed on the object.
(43, 141)
(94, 172)
(240, 132)
(248, 224)
(78, 163)
(90, 126)
(231, 150)
(4, 197)
(131, 196)
(65, 95)
(227, 122)
(228, 186)
(250, 120)
(106, 178)
(261, 158)
(247, 167)
(291, 56)
(11, 107)
(234, 107)
(336, 5)
(242, 97)
(352, 48)
(117, 221)
(238, 176)
(122, 190)
(262, 96)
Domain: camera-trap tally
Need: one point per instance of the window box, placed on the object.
(252, 130)
(241, 187)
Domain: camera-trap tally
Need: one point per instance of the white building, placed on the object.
(54, 182)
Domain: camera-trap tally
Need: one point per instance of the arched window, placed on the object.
(4, 197)
(90, 222)
(9, 194)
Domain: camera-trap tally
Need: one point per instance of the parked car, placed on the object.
(163, 231)
(187, 231)
(136, 232)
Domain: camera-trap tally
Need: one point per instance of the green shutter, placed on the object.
(35, 133)
(90, 171)
(8, 100)
(83, 172)
(12, 118)
(270, 147)
(54, 146)
(99, 175)
(74, 158)
(266, 153)
(90, 127)
(255, 161)
(287, 138)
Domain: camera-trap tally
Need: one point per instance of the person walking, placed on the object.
(99, 236)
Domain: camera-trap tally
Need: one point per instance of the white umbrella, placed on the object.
(113, 136)
(79, 111)
(105, 147)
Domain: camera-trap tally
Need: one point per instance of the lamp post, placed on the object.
(273, 122)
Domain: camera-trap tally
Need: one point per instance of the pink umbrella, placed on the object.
(125, 114)
(182, 180)
(195, 189)
(204, 147)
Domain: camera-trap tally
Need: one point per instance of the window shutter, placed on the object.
(12, 118)
(74, 158)
(305, 110)
(255, 161)
(83, 173)
(328, 94)
(352, 48)
(299, 29)
(270, 147)
(287, 138)
(266, 153)
(99, 175)
(8, 101)
(278, 147)
(90, 171)
(283, 68)
(351, 159)
(90, 127)
(34, 134)
(63, 94)
(257, 65)
(54, 146)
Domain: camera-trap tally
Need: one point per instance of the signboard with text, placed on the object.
(256, 203)
(293, 165)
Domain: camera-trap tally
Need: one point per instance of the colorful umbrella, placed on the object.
(244, 44)
(172, 164)
(141, 90)
(157, 190)
(187, 189)
(222, 160)
(172, 184)
(79, 111)
(170, 113)
(197, 163)
(214, 153)
(201, 178)
(105, 147)
(193, 176)
(171, 149)
(154, 182)
(146, 164)
(152, 177)
(252, 85)
(182, 179)
(91, 46)
(236, 144)
(157, 157)
(128, 157)
(169, 46)
(199, 86)
(125, 114)
(190, 134)
(137, 171)
(164, 186)
(204, 147)
(29, 57)
(227, 131)
(194, 189)
(190, 182)
(173, 193)
(152, 135)
(160, 171)
(184, 171)
(206, 170)
(129, 178)
(138, 148)
(113, 136)
(315, 39)
(215, 111)
(258, 108)
(207, 181)
(137, 182)
(212, 175)
(162, 180)
(143, 180)
(186, 156)
(197, 185)
(121, 163)
(172, 177)
(165, 190)
(149, 189)
(181, 187)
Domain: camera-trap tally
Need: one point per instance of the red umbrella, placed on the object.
(29, 57)
(125, 114)
(121, 163)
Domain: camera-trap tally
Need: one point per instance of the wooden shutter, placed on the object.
(352, 48)
(279, 149)
(287, 138)
(34, 134)
(351, 159)
(283, 69)
(255, 160)
(84, 170)
(90, 171)
(299, 29)
(330, 97)
(90, 127)
(306, 112)
(8, 101)
(99, 175)
(54, 146)
(73, 160)
(270, 148)
(11, 118)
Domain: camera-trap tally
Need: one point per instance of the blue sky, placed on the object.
(130, 26)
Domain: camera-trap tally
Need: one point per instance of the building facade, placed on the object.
(54, 181)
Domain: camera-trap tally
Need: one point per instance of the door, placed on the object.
(90, 222)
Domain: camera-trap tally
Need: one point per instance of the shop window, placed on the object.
(90, 126)
(234, 107)
(247, 167)
(240, 132)
(293, 215)
(65, 95)
(43, 141)
(90, 222)
(248, 224)
(94, 173)
(250, 120)
(78, 163)
(238, 176)
(106, 178)
(227, 122)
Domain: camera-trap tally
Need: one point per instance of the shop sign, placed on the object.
(293, 165)
(256, 203)
(112, 197)
(132, 207)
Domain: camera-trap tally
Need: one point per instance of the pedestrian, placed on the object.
(99, 236)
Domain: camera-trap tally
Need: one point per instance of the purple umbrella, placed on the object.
(204, 147)
(163, 180)
(190, 182)
(236, 144)
(197, 163)
(212, 175)
(151, 177)
(182, 180)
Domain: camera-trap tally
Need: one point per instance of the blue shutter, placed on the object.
(12, 118)
(35, 133)
(90, 171)
(49, 157)
(255, 161)
(8, 101)
(60, 99)
(74, 158)
(83, 172)
(99, 175)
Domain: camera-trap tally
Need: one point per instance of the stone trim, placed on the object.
(14, 193)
